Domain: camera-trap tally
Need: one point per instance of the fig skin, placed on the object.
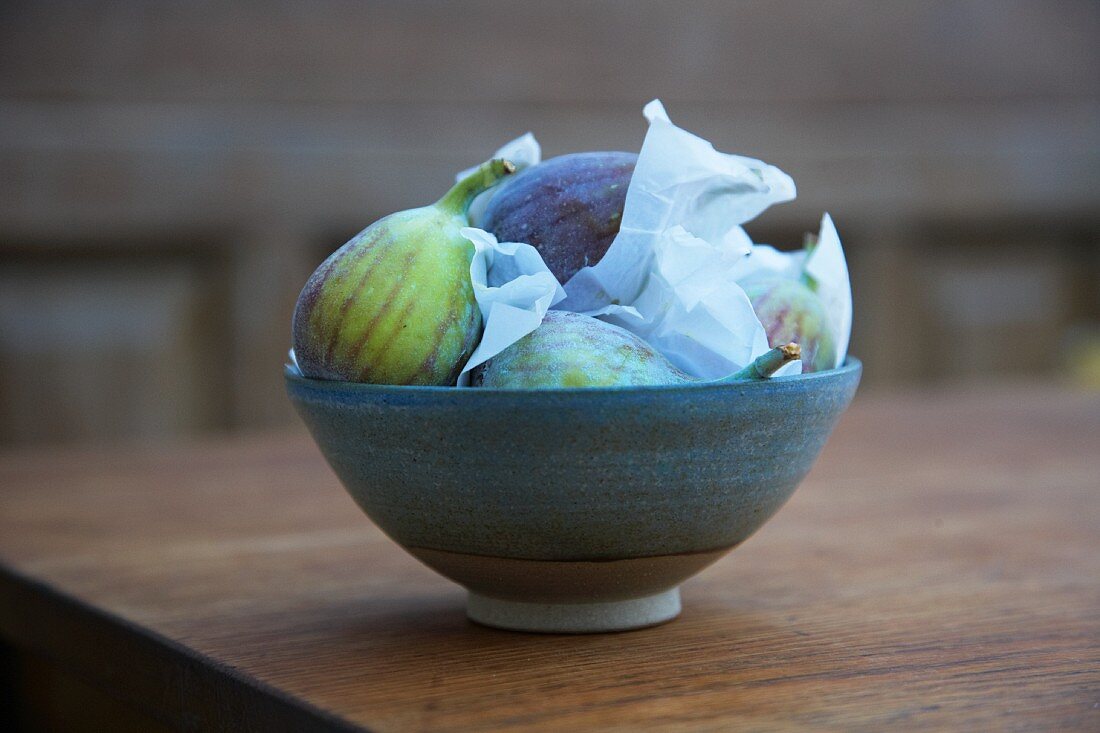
(569, 208)
(573, 350)
(790, 310)
(570, 350)
(395, 305)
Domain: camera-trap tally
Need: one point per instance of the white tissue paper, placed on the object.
(680, 239)
(680, 180)
(825, 265)
(671, 274)
(512, 285)
(514, 288)
(691, 310)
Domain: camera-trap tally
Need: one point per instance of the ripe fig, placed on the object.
(790, 310)
(568, 208)
(395, 305)
(573, 350)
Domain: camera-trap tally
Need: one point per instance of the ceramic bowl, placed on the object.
(575, 510)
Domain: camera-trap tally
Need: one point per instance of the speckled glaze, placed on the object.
(573, 496)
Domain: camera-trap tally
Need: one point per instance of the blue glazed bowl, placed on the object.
(573, 510)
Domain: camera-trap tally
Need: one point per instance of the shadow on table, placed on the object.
(421, 653)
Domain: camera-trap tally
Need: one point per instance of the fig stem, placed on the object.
(459, 198)
(766, 365)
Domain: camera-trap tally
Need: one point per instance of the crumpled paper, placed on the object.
(828, 267)
(680, 181)
(824, 264)
(679, 240)
(691, 310)
(514, 288)
(671, 275)
(512, 285)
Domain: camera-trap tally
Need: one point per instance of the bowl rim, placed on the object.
(293, 376)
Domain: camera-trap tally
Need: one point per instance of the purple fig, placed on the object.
(568, 208)
(574, 350)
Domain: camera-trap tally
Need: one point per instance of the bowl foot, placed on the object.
(574, 618)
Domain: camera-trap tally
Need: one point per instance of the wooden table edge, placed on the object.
(163, 678)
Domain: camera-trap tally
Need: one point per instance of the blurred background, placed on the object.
(171, 173)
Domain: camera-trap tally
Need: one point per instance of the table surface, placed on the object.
(938, 570)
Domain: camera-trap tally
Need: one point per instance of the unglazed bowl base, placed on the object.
(574, 618)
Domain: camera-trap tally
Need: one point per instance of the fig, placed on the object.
(790, 310)
(573, 350)
(395, 305)
(568, 208)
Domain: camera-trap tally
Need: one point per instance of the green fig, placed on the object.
(574, 350)
(790, 310)
(569, 208)
(395, 305)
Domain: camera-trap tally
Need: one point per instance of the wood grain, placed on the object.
(938, 570)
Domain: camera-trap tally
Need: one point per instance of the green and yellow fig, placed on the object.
(573, 350)
(395, 305)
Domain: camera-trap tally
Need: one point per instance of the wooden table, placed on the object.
(938, 570)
